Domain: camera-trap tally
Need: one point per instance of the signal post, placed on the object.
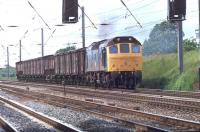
(176, 14)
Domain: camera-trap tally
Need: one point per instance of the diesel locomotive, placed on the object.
(115, 62)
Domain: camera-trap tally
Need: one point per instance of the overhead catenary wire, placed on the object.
(87, 17)
(113, 19)
(1, 28)
(95, 24)
(134, 9)
(38, 15)
(25, 33)
(146, 24)
(117, 9)
(50, 36)
(131, 14)
(116, 19)
(121, 31)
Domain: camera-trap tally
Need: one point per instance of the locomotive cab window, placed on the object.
(113, 49)
(135, 48)
(124, 48)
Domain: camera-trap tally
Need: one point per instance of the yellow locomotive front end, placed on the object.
(124, 56)
(124, 61)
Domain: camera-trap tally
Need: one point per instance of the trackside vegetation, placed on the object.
(161, 71)
(4, 73)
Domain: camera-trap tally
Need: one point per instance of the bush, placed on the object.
(190, 44)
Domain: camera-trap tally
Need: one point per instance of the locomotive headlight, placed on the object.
(130, 39)
(118, 39)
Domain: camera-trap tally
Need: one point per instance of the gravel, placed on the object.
(144, 107)
(1, 130)
(82, 120)
(20, 121)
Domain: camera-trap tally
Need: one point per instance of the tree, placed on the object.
(190, 44)
(162, 39)
(4, 71)
(65, 50)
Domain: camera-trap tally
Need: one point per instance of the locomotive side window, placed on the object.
(135, 48)
(104, 57)
(124, 48)
(113, 49)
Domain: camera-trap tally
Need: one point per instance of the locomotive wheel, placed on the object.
(132, 83)
(116, 83)
(108, 84)
(127, 84)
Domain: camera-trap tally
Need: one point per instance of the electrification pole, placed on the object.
(83, 26)
(8, 70)
(180, 46)
(199, 41)
(199, 23)
(20, 50)
(42, 41)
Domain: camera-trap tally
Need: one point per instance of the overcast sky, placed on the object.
(112, 12)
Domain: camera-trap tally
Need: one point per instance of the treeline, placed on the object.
(4, 72)
(65, 50)
(163, 39)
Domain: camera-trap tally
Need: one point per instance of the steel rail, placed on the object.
(163, 120)
(138, 126)
(186, 94)
(6, 125)
(53, 122)
(175, 103)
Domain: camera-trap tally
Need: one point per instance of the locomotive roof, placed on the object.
(95, 45)
(123, 39)
(112, 41)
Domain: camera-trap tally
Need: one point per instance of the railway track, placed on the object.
(185, 94)
(178, 103)
(5, 126)
(133, 117)
(43, 118)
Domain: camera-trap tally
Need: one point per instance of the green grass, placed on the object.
(161, 71)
